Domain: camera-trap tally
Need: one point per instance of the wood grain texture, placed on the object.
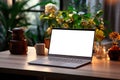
(18, 64)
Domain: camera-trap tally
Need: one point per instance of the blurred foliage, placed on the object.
(11, 17)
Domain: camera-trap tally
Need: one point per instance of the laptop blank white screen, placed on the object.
(72, 42)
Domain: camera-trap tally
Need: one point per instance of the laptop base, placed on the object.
(46, 62)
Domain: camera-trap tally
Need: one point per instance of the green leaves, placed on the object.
(43, 3)
(13, 16)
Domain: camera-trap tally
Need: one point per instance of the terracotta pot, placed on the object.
(47, 42)
(18, 47)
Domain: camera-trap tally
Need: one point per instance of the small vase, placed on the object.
(114, 52)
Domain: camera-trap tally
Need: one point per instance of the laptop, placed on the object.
(69, 48)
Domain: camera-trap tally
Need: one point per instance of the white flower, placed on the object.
(50, 8)
(81, 13)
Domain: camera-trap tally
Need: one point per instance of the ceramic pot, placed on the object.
(18, 44)
(114, 53)
(18, 34)
(18, 47)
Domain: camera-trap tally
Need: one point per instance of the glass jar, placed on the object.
(100, 51)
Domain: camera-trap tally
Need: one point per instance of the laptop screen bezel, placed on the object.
(69, 55)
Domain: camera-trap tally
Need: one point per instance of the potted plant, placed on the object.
(114, 50)
(71, 18)
(11, 17)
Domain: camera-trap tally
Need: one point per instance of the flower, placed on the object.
(99, 35)
(115, 36)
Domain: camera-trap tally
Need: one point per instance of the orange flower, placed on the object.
(114, 35)
(119, 37)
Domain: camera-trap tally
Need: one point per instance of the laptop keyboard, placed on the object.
(66, 59)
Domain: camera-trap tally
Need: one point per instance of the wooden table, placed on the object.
(18, 64)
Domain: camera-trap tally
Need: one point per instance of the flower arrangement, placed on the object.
(72, 19)
(114, 50)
